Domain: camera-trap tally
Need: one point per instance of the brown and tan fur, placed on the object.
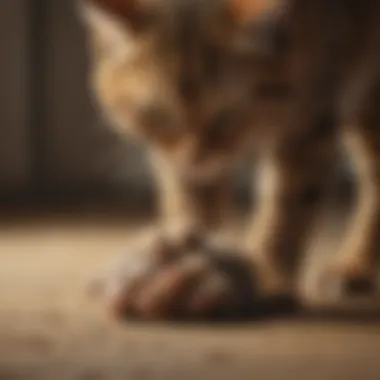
(200, 82)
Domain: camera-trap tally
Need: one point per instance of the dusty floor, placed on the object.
(50, 330)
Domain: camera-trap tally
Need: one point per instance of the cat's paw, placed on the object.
(197, 284)
(347, 281)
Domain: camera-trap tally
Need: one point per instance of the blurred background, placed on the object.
(70, 194)
(52, 144)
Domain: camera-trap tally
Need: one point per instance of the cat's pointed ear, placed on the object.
(129, 11)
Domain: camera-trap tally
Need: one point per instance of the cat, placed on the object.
(200, 82)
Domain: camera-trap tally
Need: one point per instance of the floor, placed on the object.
(50, 329)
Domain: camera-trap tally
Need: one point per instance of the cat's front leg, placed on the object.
(353, 272)
(179, 273)
(293, 179)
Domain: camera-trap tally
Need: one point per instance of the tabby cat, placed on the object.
(201, 82)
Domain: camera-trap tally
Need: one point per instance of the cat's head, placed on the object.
(179, 72)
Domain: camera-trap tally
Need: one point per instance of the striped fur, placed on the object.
(202, 81)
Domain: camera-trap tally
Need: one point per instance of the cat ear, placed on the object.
(129, 11)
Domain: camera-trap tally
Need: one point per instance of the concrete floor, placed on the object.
(49, 329)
